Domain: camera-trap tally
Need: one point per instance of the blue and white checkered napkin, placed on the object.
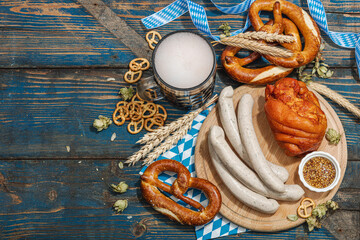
(184, 153)
(199, 18)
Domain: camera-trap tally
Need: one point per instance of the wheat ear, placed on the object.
(153, 139)
(336, 97)
(166, 130)
(257, 47)
(168, 143)
(268, 37)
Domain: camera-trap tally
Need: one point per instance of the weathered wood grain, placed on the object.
(117, 26)
(41, 33)
(42, 111)
(70, 199)
(50, 93)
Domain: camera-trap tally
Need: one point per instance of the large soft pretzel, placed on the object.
(151, 186)
(304, 23)
(234, 65)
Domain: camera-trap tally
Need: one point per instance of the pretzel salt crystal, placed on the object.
(151, 188)
(304, 23)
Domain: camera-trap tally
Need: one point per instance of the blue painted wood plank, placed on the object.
(41, 33)
(69, 199)
(42, 111)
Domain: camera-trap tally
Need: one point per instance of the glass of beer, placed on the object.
(184, 65)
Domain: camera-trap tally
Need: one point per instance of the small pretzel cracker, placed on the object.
(302, 209)
(136, 98)
(132, 76)
(121, 103)
(151, 124)
(139, 112)
(149, 110)
(153, 37)
(160, 109)
(136, 125)
(120, 114)
(139, 64)
(135, 111)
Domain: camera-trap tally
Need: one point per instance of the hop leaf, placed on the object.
(333, 136)
(120, 205)
(127, 93)
(101, 123)
(120, 188)
(292, 217)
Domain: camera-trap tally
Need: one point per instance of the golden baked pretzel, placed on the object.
(151, 186)
(139, 64)
(302, 210)
(303, 22)
(161, 111)
(151, 124)
(135, 127)
(149, 110)
(135, 111)
(120, 115)
(234, 66)
(153, 37)
(132, 76)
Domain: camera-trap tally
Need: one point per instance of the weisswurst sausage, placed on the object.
(243, 173)
(242, 193)
(252, 147)
(230, 126)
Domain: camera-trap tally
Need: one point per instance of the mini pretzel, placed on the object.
(132, 76)
(139, 64)
(151, 38)
(149, 110)
(121, 103)
(136, 125)
(151, 188)
(302, 209)
(154, 121)
(136, 98)
(160, 109)
(135, 111)
(120, 114)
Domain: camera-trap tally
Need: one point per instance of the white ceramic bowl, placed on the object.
(325, 155)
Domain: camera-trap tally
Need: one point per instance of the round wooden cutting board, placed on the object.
(236, 211)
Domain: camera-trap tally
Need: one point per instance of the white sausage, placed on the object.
(243, 173)
(242, 193)
(248, 137)
(230, 126)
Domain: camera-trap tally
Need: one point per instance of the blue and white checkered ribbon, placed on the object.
(199, 18)
(184, 153)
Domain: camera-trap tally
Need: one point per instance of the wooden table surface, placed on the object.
(54, 64)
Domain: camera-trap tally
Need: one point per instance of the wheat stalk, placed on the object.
(166, 130)
(336, 97)
(168, 143)
(153, 139)
(144, 150)
(268, 37)
(257, 47)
